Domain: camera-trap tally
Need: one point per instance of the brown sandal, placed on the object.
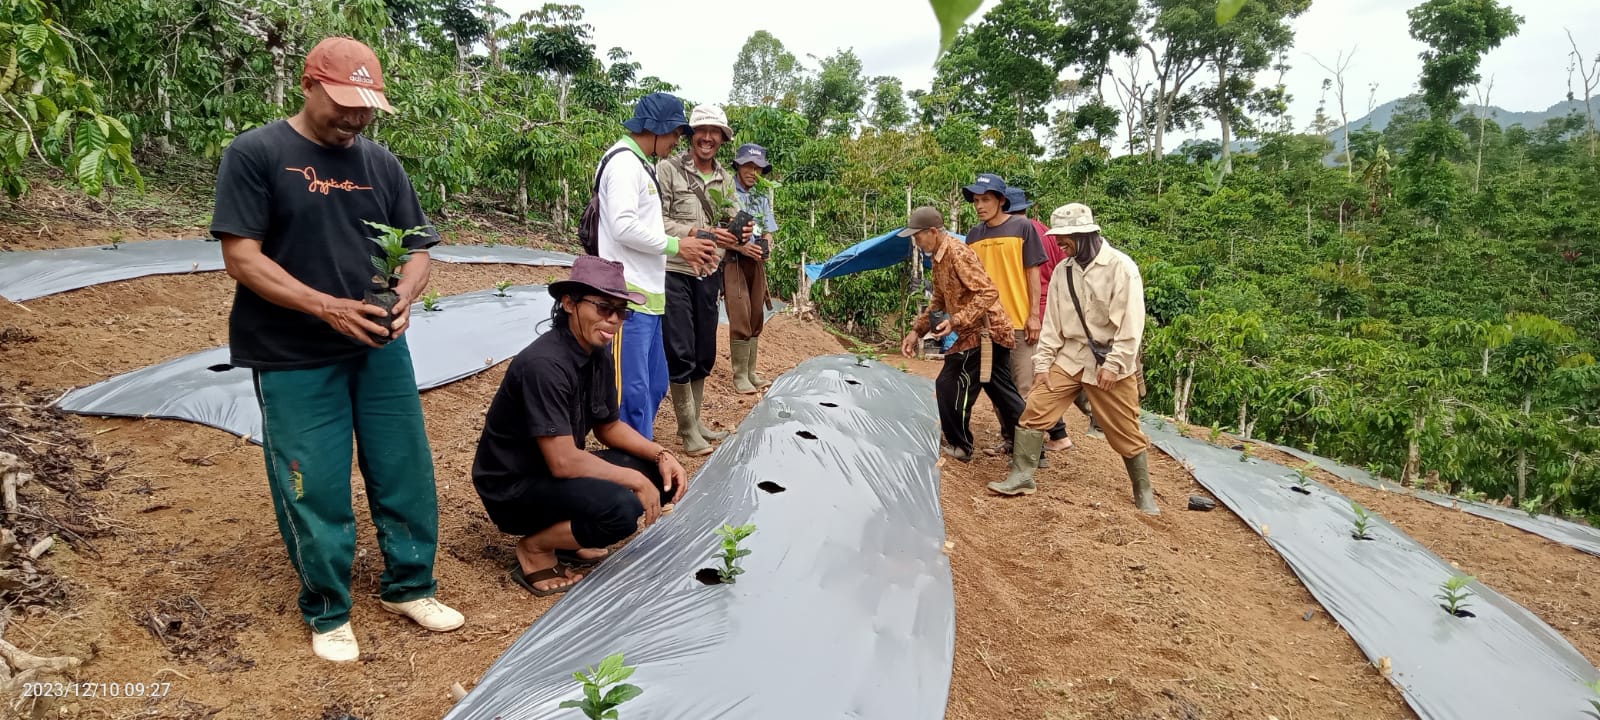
(550, 573)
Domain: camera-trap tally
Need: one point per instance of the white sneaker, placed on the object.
(336, 645)
(429, 613)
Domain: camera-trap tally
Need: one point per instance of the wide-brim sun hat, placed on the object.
(1017, 200)
(658, 113)
(711, 116)
(1073, 219)
(592, 275)
(987, 183)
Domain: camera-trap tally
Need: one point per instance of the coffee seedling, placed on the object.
(864, 353)
(1467, 493)
(599, 703)
(500, 288)
(1532, 506)
(731, 552)
(1455, 594)
(1363, 517)
(1216, 434)
(393, 254)
(1594, 687)
(1302, 477)
(430, 300)
(1244, 455)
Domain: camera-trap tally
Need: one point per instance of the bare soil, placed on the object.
(1070, 604)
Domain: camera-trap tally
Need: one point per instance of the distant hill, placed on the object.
(1380, 116)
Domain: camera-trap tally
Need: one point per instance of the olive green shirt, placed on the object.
(681, 209)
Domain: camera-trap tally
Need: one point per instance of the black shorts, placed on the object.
(602, 512)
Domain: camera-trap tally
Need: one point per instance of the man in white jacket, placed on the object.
(631, 232)
(1093, 328)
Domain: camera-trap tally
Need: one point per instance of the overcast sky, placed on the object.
(694, 45)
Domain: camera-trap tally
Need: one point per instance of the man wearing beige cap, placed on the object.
(293, 200)
(1093, 330)
(691, 186)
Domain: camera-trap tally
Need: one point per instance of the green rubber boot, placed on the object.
(699, 388)
(1139, 472)
(688, 421)
(1024, 462)
(750, 366)
(740, 350)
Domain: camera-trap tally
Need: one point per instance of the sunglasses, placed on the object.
(621, 312)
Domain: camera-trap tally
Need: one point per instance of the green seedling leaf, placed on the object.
(621, 694)
(952, 15)
(1226, 9)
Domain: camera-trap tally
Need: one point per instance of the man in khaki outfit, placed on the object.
(691, 184)
(1093, 328)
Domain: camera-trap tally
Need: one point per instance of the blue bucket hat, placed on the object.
(1017, 200)
(658, 113)
(753, 154)
(987, 183)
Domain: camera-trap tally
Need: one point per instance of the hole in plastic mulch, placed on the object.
(1300, 490)
(224, 367)
(771, 486)
(708, 576)
(1361, 537)
(852, 382)
(829, 405)
(806, 434)
(1462, 613)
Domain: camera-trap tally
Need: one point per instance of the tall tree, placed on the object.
(1337, 70)
(765, 73)
(1591, 80)
(1007, 67)
(1095, 32)
(889, 111)
(1458, 34)
(1236, 51)
(1175, 43)
(833, 99)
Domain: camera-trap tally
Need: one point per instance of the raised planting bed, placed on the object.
(842, 608)
(26, 275)
(1455, 648)
(465, 335)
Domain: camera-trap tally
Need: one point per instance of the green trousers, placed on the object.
(309, 418)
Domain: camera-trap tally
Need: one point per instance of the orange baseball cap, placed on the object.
(349, 71)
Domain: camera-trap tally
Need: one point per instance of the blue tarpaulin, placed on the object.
(880, 252)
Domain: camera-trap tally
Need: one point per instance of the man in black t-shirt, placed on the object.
(292, 202)
(532, 471)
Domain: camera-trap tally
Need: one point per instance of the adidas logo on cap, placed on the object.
(361, 76)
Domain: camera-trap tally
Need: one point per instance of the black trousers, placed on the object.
(689, 327)
(602, 512)
(957, 389)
